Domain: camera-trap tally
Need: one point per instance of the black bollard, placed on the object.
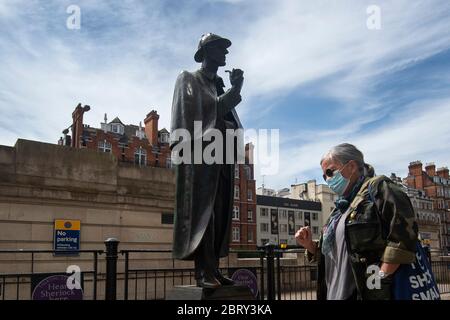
(270, 255)
(112, 245)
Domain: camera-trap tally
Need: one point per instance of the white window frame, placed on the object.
(236, 234)
(265, 224)
(140, 152)
(250, 215)
(236, 192)
(262, 210)
(164, 137)
(105, 146)
(250, 236)
(248, 173)
(236, 213)
(236, 171)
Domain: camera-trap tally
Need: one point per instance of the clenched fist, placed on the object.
(304, 238)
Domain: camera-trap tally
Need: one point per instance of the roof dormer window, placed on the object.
(116, 126)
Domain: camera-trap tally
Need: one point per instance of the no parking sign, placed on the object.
(67, 236)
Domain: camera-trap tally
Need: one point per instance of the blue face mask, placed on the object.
(338, 183)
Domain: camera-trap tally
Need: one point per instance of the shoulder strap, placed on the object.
(366, 190)
(371, 183)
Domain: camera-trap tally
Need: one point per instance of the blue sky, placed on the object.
(313, 70)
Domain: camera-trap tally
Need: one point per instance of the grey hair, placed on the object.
(344, 153)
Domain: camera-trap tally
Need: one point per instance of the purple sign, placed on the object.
(246, 278)
(55, 288)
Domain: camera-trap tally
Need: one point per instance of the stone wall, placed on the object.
(41, 182)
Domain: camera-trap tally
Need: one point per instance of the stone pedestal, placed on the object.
(235, 292)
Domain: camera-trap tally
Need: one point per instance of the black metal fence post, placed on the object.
(95, 274)
(279, 275)
(127, 256)
(112, 245)
(270, 254)
(262, 275)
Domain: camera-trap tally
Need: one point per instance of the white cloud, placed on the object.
(420, 132)
(126, 56)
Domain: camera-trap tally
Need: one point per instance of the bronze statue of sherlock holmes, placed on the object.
(205, 192)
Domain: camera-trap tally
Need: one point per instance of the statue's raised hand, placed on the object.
(236, 78)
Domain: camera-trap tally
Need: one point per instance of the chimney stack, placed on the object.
(151, 127)
(415, 177)
(77, 126)
(415, 168)
(443, 173)
(430, 169)
(249, 153)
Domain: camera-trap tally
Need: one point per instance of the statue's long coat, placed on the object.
(195, 99)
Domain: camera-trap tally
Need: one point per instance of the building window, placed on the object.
(284, 214)
(283, 228)
(249, 195)
(164, 138)
(314, 215)
(248, 173)
(236, 234)
(236, 213)
(117, 128)
(315, 230)
(250, 215)
(236, 192)
(250, 235)
(140, 134)
(236, 171)
(299, 215)
(264, 227)
(140, 156)
(105, 146)
(264, 212)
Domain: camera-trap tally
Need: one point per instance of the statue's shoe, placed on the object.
(208, 282)
(225, 281)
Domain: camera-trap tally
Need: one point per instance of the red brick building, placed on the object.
(144, 146)
(243, 231)
(149, 146)
(436, 184)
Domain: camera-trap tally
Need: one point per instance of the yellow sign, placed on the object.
(68, 225)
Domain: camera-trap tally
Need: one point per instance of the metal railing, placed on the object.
(272, 277)
(23, 280)
(441, 272)
(127, 276)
